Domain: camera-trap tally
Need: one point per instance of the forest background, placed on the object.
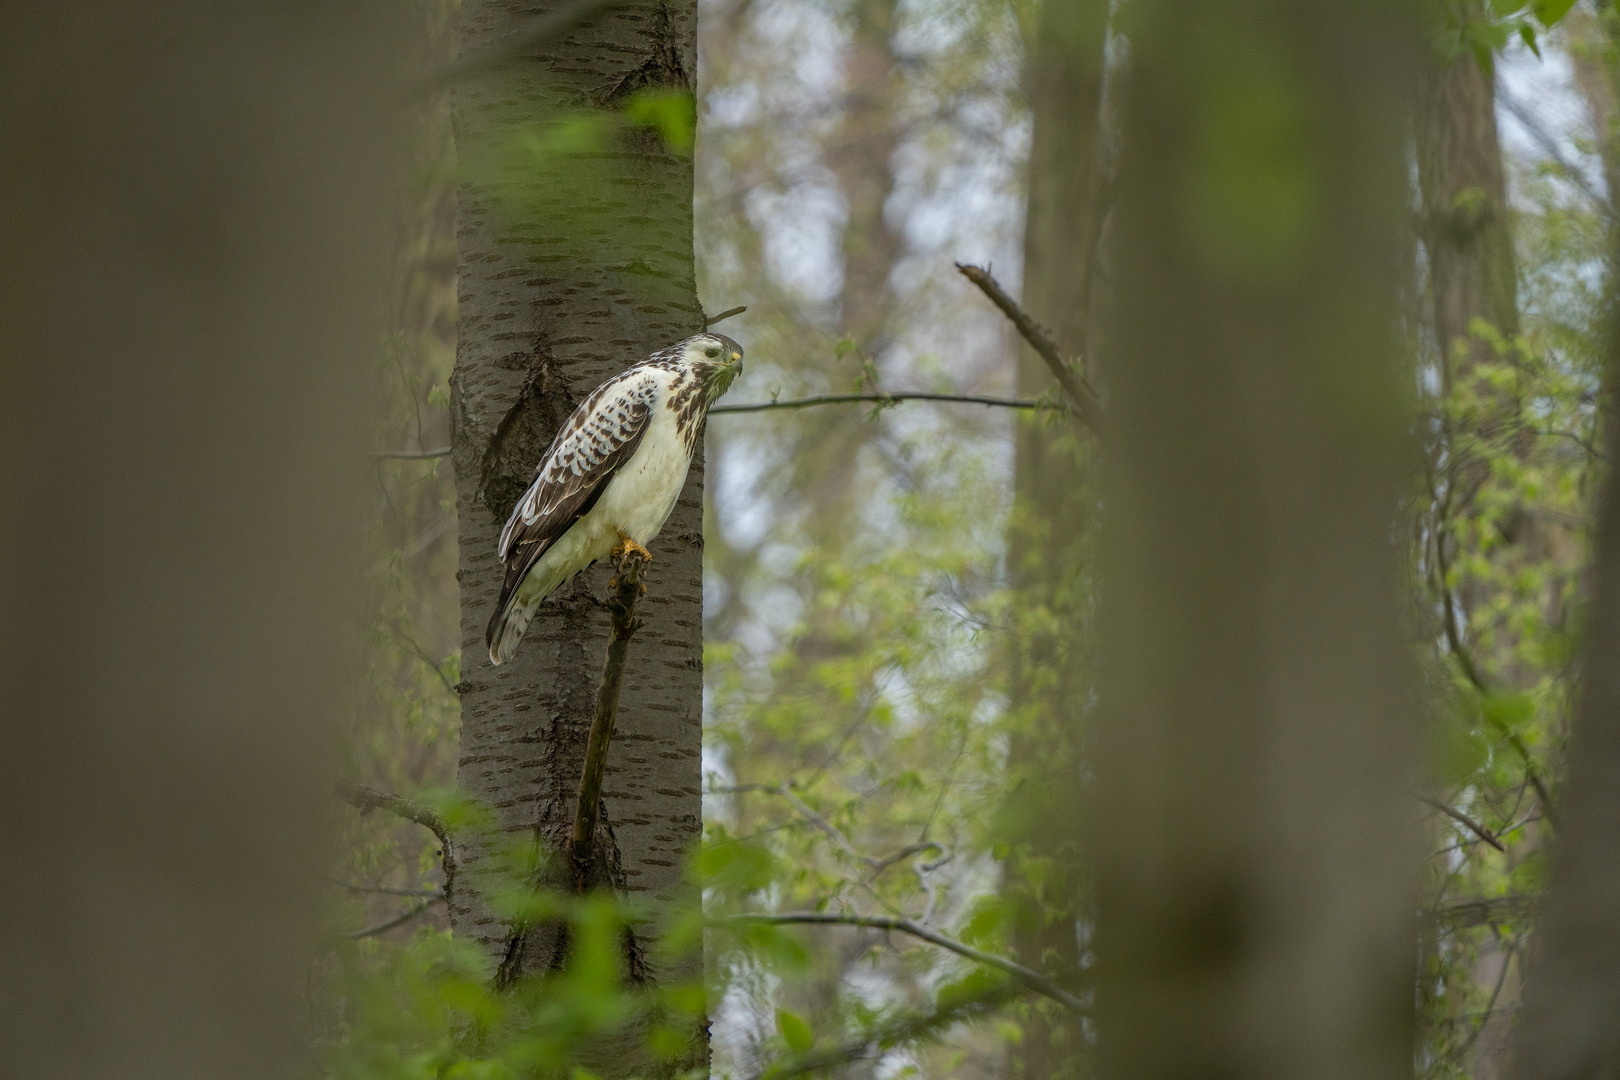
(915, 821)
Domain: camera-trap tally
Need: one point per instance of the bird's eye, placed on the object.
(711, 352)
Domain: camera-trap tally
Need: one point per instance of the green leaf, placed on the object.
(795, 1032)
(1548, 12)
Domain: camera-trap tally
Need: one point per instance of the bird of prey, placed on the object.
(611, 477)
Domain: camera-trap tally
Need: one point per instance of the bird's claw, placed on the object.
(627, 547)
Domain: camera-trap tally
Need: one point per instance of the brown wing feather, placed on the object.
(602, 434)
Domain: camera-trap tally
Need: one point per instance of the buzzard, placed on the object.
(611, 477)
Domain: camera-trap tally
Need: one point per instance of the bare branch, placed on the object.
(1082, 398)
(723, 316)
(879, 398)
(627, 590)
(398, 920)
(412, 455)
(1032, 979)
(384, 890)
(1462, 819)
(366, 799)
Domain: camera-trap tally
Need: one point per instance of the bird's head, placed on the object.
(716, 360)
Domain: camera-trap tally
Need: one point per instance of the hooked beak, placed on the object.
(736, 361)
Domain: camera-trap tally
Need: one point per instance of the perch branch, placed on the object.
(627, 589)
(1082, 398)
(366, 799)
(1462, 819)
(879, 399)
(723, 316)
(1032, 979)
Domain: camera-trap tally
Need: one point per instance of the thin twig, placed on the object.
(879, 398)
(366, 799)
(384, 890)
(786, 791)
(1462, 819)
(1033, 979)
(412, 455)
(541, 30)
(1550, 146)
(627, 589)
(1082, 398)
(398, 920)
(723, 316)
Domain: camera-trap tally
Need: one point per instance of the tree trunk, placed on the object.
(1570, 1027)
(1255, 853)
(194, 198)
(1052, 537)
(573, 265)
(1465, 214)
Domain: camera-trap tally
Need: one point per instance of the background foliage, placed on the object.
(861, 736)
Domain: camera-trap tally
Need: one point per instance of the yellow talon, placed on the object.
(627, 547)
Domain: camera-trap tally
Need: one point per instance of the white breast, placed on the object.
(641, 495)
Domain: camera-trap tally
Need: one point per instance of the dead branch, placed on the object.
(1082, 399)
(366, 799)
(1032, 979)
(878, 398)
(627, 590)
(398, 920)
(1462, 819)
(724, 315)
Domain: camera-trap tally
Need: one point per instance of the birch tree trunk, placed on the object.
(1255, 858)
(573, 265)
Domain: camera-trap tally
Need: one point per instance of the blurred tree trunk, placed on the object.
(1255, 860)
(1465, 229)
(1051, 538)
(572, 267)
(193, 195)
(1465, 213)
(1570, 1026)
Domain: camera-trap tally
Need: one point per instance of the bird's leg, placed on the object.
(627, 546)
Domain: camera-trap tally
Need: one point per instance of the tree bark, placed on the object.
(1255, 853)
(1465, 212)
(1052, 537)
(573, 265)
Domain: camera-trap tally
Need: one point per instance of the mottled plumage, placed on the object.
(612, 475)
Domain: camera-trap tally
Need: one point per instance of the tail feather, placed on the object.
(506, 627)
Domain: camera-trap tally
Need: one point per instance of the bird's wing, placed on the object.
(600, 436)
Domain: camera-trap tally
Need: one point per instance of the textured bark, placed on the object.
(1465, 215)
(1255, 859)
(1049, 545)
(194, 198)
(572, 267)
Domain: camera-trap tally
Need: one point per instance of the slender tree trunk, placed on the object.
(1051, 540)
(1255, 858)
(572, 267)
